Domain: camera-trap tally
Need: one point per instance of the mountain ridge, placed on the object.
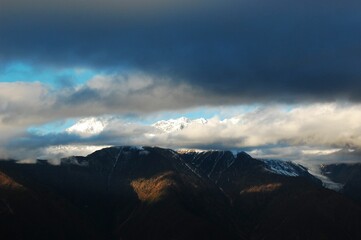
(145, 192)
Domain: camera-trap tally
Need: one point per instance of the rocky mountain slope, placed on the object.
(155, 193)
(33, 213)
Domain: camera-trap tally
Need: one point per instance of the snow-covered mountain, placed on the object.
(218, 165)
(284, 167)
(87, 127)
(173, 125)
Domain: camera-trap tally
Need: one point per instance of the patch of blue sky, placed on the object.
(55, 77)
(51, 128)
(202, 112)
(166, 115)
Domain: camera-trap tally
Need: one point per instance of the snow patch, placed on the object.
(327, 182)
(186, 150)
(87, 127)
(174, 125)
(281, 167)
(136, 148)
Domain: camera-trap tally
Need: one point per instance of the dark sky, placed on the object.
(265, 50)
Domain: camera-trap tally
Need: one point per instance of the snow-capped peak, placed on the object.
(200, 121)
(189, 150)
(282, 167)
(87, 127)
(173, 125)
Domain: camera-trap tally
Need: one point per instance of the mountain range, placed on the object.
(156, 193)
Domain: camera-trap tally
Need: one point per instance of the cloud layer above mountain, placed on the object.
(272, 131)
(330, 125)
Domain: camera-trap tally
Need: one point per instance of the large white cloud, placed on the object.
(109, 97)
(272, 131)
(336, 125)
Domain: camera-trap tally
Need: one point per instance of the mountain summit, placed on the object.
(173, 125)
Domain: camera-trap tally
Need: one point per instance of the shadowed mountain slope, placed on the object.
(347, 174)
(155, 193)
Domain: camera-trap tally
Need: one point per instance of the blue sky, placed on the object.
(55, 77)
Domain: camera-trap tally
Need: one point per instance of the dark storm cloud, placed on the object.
(258, 50)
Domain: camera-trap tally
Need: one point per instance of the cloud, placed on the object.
(159, 56)
(252, 51)
(21, 105)
(332, 125)
(19, 99)
(311, 132)
(135, 93)
(24, 104)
